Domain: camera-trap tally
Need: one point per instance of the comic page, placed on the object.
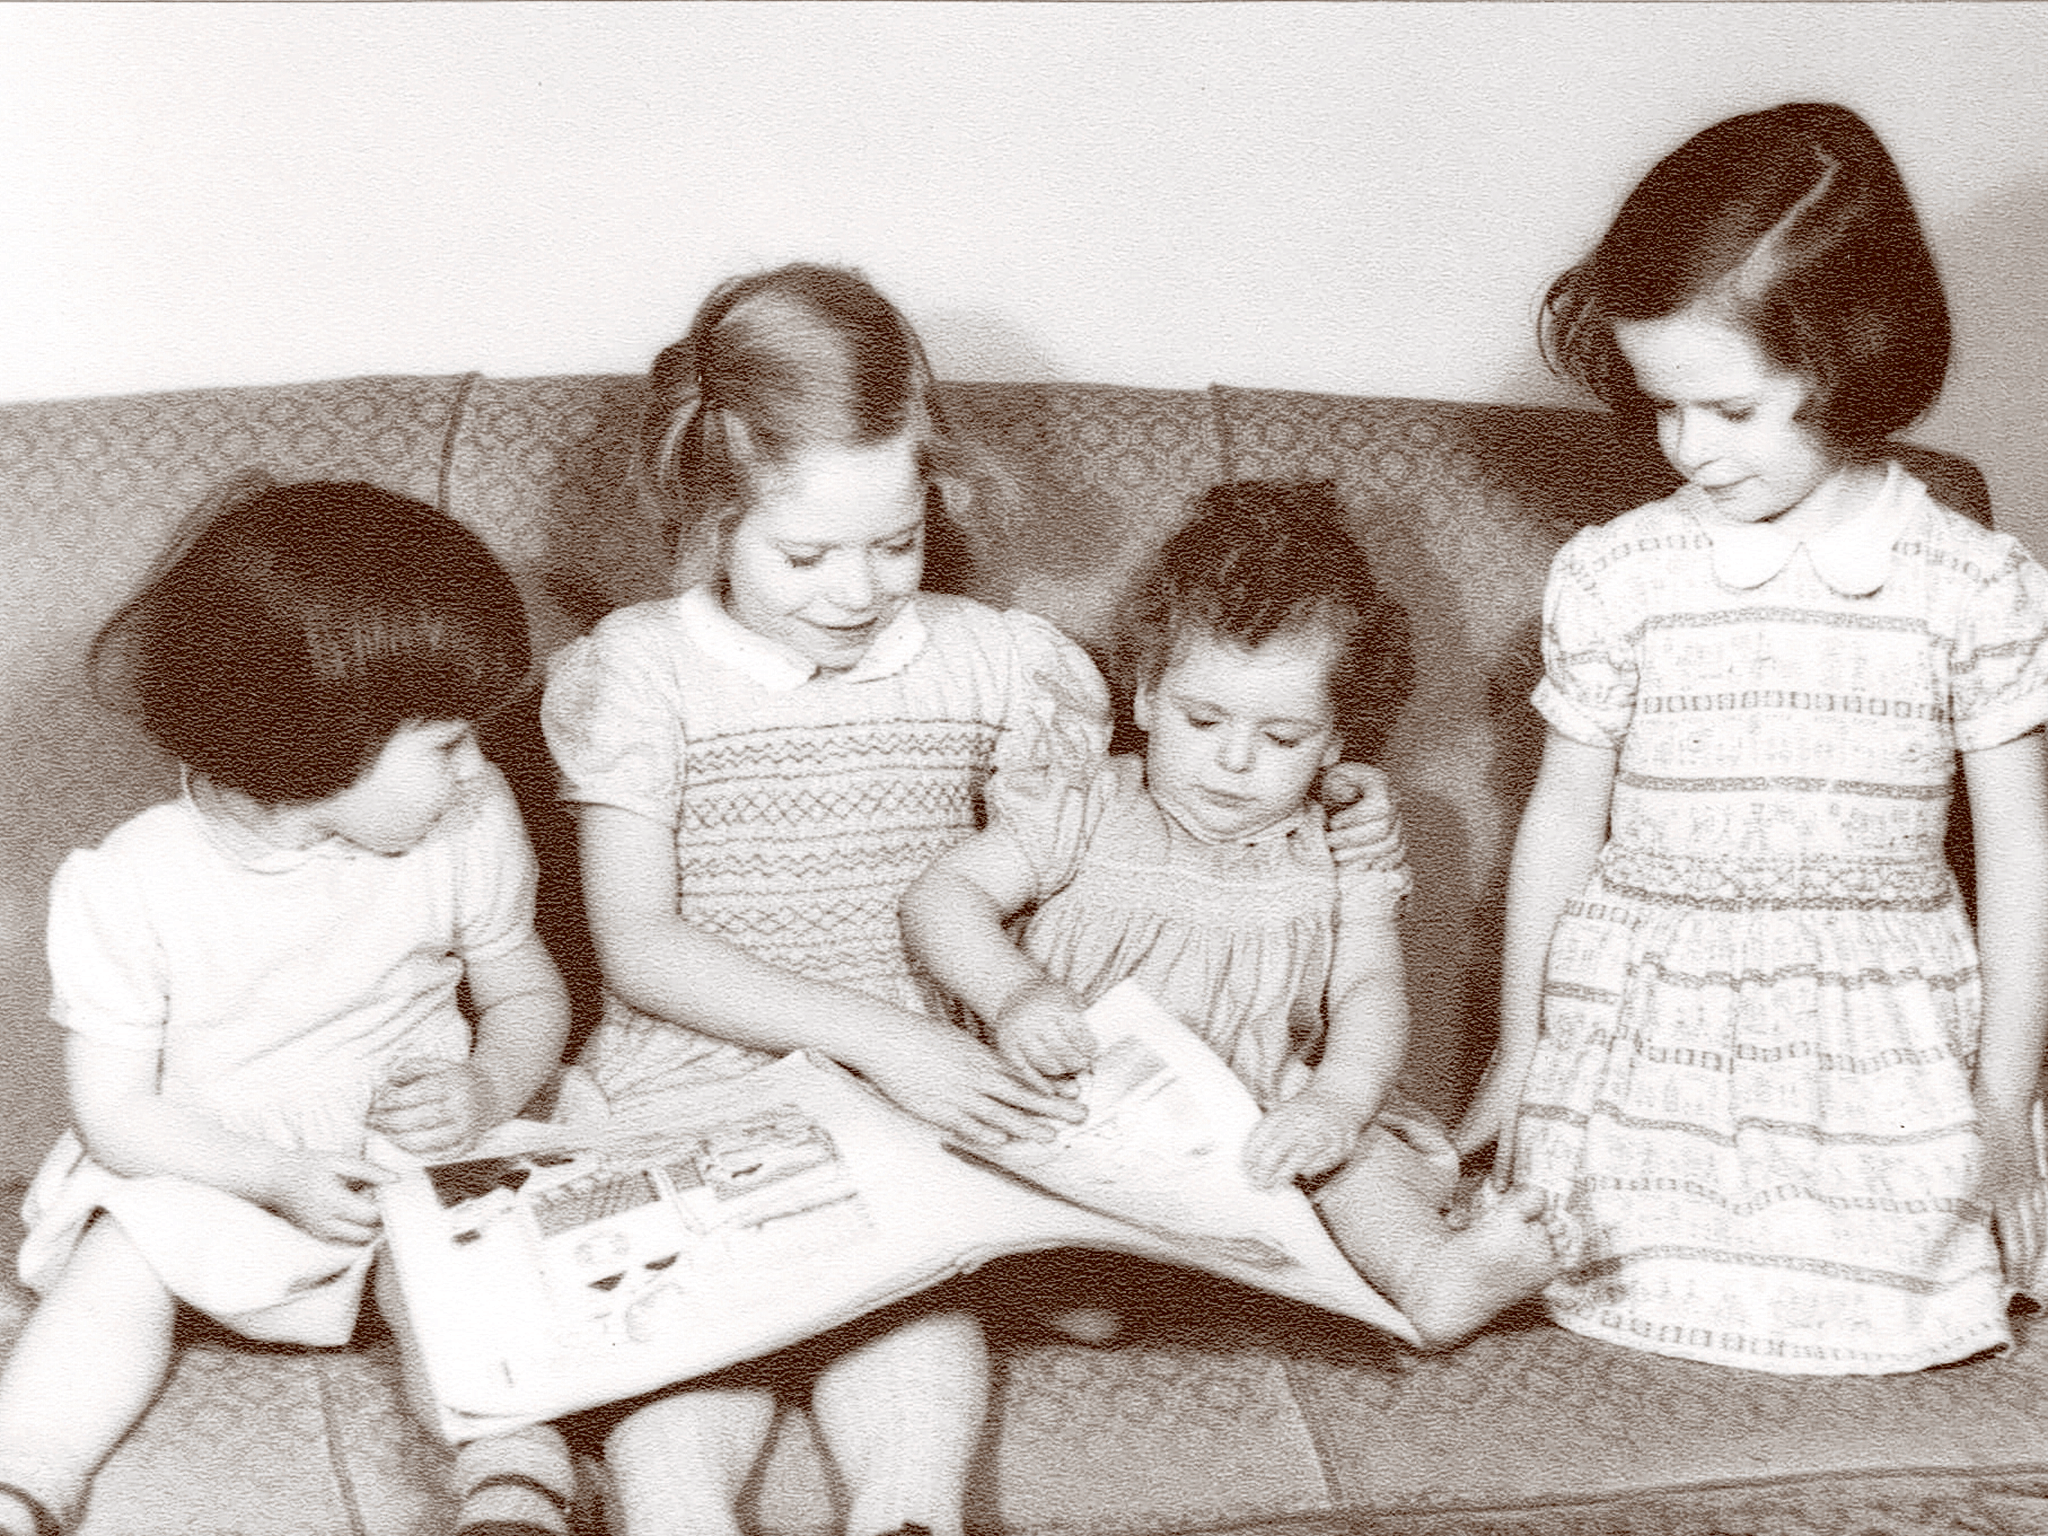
(555, 1269)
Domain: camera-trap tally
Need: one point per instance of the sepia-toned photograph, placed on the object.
(932, 768)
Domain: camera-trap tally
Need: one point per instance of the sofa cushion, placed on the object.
(91, 493)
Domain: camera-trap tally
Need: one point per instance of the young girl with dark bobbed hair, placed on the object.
(264, 976)
(1749, 1039)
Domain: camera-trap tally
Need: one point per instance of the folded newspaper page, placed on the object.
(557, 1268)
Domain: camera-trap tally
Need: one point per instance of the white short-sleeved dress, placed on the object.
(278, 989)
(1233, 937)
(1752, 1084)
(803, 803)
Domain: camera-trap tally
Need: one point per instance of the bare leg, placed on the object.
(678, 1465)
(92, 1358)
(1386, 1211)
(901, 1414)
(522, 1480)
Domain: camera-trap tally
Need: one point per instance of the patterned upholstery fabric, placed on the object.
(90, 494)
(1222, 1411)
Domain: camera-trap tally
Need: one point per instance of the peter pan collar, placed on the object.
(239, 845)
(1854, 557)
(777, 667)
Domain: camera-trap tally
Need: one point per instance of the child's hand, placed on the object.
(944, 1076)
(433, 1108)
(1365, 827)
(2013, 1190)
(1300, 1139)
(1041, 1030)
(327, 1195)
(1491, 1117)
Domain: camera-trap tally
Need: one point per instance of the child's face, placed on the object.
(412, 783)
(1725, 417)
(830, 552)
(1236, 736)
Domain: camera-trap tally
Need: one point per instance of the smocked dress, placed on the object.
(1752, 1083)
(802, 803)
(1235, 938)
(278, 989)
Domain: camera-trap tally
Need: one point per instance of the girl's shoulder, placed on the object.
(640, 627)
(946, 615)
(167, 841)
(1655, 525)
(1642, 548)
(166, 830)
(1939, 532)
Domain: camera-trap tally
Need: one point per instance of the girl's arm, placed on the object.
(131, 1129)
(953, 916)
(1563, 829)
(522, 1021)
(662, 965)
(2008, 787)
(1365, 1040)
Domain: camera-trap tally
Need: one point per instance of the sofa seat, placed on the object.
(1225, 1412)
(1220, 1411)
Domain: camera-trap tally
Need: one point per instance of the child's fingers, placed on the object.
(428, 1087)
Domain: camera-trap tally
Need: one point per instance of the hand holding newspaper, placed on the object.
(557, 1268)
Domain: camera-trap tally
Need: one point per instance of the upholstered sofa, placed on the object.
(1221, 1411)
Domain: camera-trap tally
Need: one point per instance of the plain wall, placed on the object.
(1364, 198)
(1348, 197)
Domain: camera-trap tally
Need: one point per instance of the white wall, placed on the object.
(1353, 197)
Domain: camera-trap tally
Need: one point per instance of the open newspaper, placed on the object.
(553, 1270)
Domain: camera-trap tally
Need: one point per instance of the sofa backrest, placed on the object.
(1458, 507)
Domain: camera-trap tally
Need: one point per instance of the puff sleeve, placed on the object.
(614, 724)
(1050, 816)
(1998, 667)
(1057, 711)
(108, 975)
(496, 874)
(1588, 691)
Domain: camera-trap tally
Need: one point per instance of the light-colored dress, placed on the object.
(803, 803)
(1760, 1018)
(1234, 938)
(278, 989)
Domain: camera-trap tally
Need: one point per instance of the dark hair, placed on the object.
(1264, 558)
(282, 646)
(1794, 223)
(797, 357)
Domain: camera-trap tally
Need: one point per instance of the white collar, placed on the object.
(243, 845)
(1854, 556)
(779, 668)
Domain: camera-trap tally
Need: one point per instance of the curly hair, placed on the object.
(1264, 558)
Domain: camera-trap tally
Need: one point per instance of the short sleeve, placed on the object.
(1588, 691)
(1049, 815)
(1057, 713)
(613, 728)
(1998, 670)
(497, 875)
(108, 976)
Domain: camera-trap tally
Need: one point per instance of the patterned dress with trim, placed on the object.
(1752, 1085)
(803, 805)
